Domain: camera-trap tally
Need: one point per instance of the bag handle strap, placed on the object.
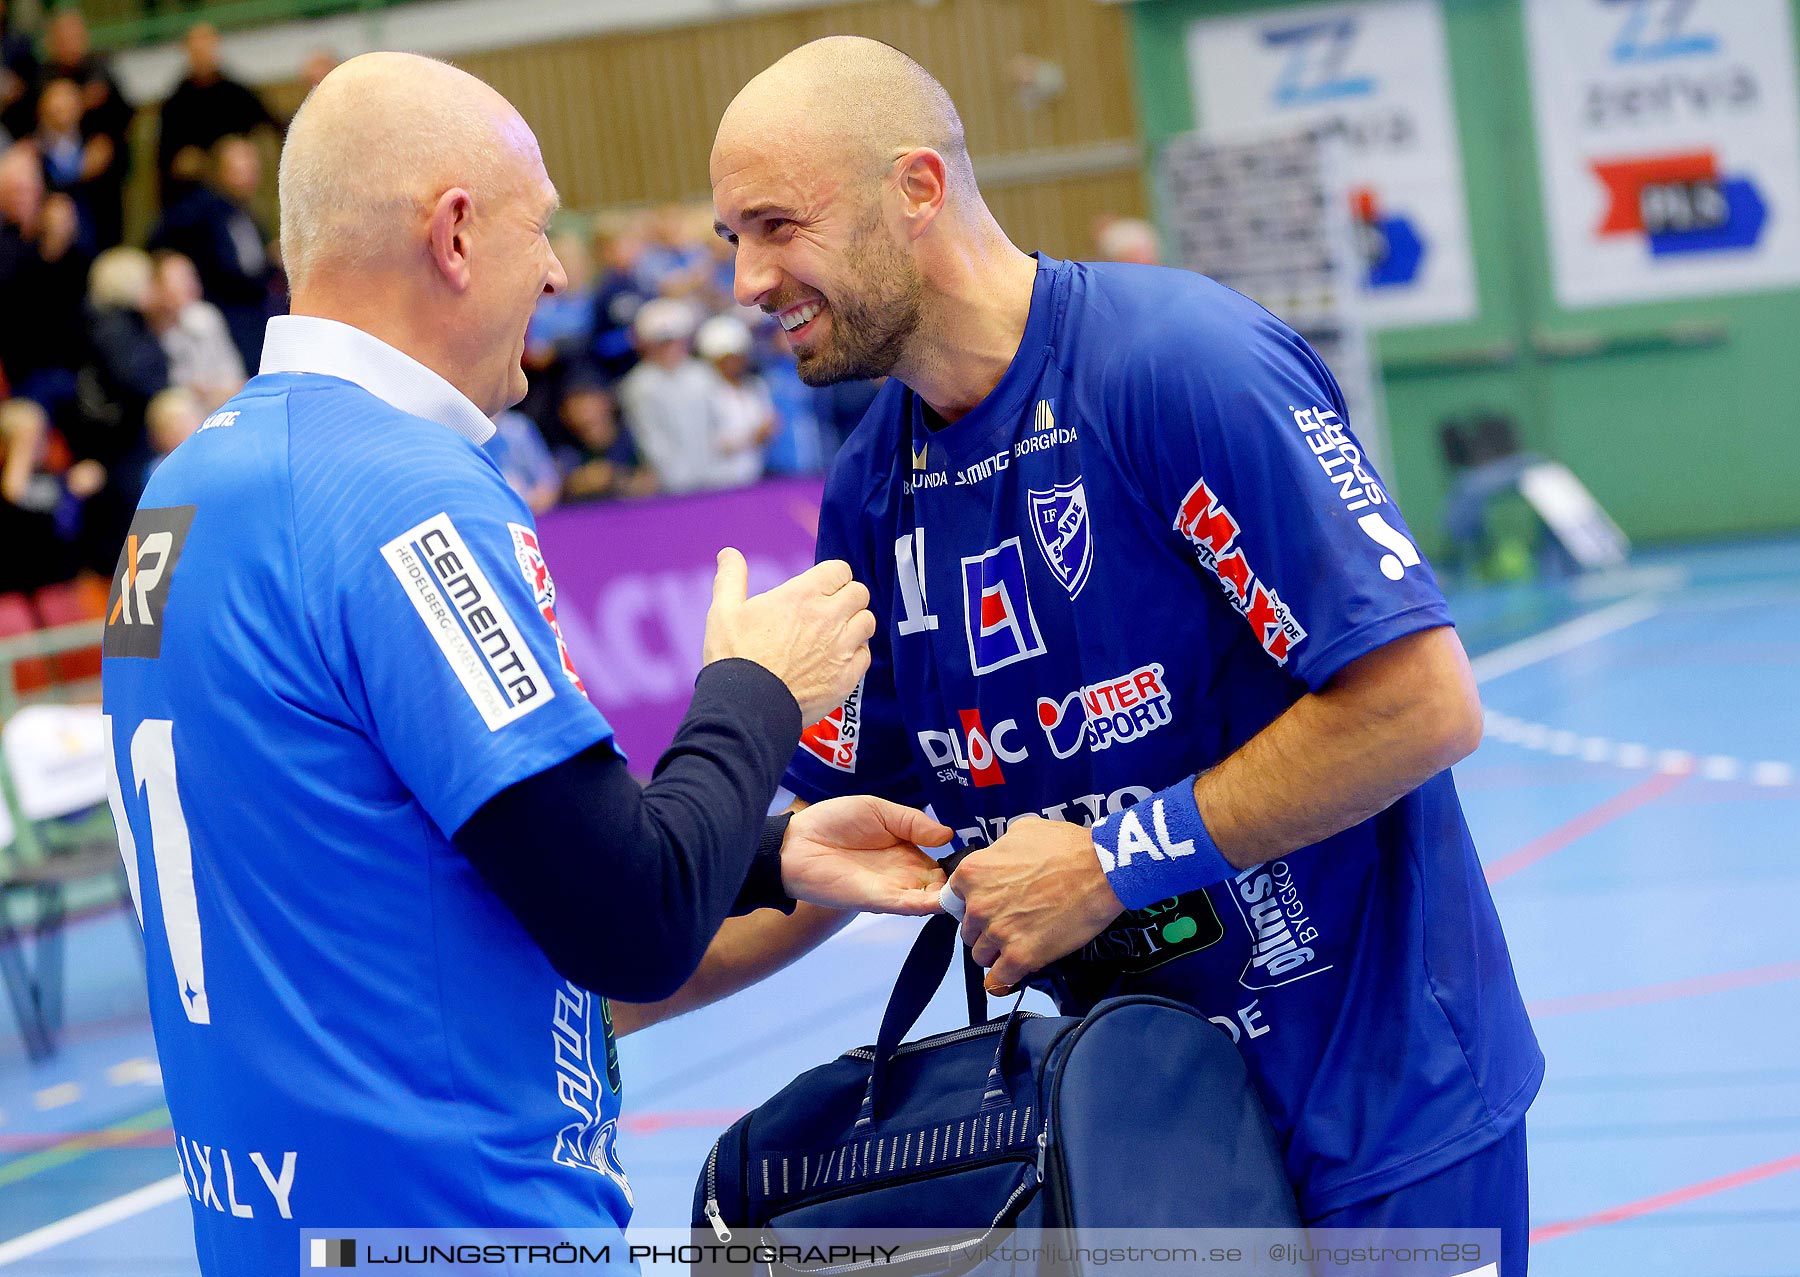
(920, 975)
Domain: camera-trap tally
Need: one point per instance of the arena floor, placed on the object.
(1637, 802)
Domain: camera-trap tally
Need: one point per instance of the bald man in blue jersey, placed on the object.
(1155, 641)
(388, 858)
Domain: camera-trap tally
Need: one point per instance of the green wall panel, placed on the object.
(1684, 418)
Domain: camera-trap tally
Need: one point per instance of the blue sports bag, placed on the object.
(1136, 1115)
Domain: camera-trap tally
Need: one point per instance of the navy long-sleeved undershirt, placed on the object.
(623, 886)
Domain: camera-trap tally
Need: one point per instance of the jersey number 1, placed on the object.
(172, 852)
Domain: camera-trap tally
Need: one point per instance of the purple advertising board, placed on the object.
(633, 582)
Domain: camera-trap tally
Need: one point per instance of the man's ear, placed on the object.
(452, 219)
(920, 180)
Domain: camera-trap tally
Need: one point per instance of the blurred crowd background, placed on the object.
(646, 376)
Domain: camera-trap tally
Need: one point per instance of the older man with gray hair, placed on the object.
(387, 855)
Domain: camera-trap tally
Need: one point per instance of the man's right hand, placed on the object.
(812, 632)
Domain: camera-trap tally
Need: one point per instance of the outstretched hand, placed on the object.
(862, 852)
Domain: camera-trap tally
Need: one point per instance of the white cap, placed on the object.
(663, 319)
(720, 336)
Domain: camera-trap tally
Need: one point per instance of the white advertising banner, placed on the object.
(1669, 147)
(1377, 74)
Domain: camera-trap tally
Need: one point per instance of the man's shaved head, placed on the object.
(415, 206)
(830, 171)
(853, 102)
(376, 143)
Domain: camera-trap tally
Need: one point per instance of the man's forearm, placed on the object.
(1386, 724)
(745, 950)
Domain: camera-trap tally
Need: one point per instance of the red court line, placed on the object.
(679, 1119)
(1641, 794)
(1662, 1201)
(1694, 987)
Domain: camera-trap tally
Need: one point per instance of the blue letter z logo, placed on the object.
(1315, 65)
(1638, 43)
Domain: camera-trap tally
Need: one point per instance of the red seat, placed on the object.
(17, 617)
(69, 604)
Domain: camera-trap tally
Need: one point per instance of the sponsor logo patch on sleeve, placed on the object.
(469, 622)
(543, 592)
(1213, 533)
(832, 740)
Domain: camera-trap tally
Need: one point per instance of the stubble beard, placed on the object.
(871, 329)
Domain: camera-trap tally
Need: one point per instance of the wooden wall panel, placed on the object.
(628, 118)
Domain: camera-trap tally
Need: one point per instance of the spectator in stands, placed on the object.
(105, 113)
(518, 449)
(673, 262)
(202, 356)
(601, 462)
(213, 226)
(1126, 239)
(206, 106)
(170, 420)
(799, 443)
(74, 165)
(562, 326)
(745, 419)
(42, 277)
(672, 401)
(18, 76)
(319, 64)
(38, 507)
(618, 245)
(128, 368)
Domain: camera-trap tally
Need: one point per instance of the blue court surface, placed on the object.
(1637, 802)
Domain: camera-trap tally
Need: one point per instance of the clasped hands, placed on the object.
(1032, 896)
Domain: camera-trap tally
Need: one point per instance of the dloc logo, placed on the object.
(832, 740)
(140, 587)
(973, 756)
(1118, 710)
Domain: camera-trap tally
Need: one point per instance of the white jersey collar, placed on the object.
(327, 348)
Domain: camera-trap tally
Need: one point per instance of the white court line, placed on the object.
(92, 1220)
(1566, 637)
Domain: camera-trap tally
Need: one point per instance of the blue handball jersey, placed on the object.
(330, 640)
(1151, 538)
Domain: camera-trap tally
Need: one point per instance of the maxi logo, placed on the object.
(1112, 712)
(543, 589)
(141, 583)
(972, 757)
(591, 1143)
(832, 740)
(469, 622)
(1212, 531)
(1315, 69)
(1281, 933)
(997, 616)
(1064, 533)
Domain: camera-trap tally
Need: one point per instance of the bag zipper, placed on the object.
(1026, 1185)
(720, 1230)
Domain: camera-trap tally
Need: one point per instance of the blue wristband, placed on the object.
(1159, 848)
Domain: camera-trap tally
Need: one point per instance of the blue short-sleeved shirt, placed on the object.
(331, 639)
(1151, 538)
